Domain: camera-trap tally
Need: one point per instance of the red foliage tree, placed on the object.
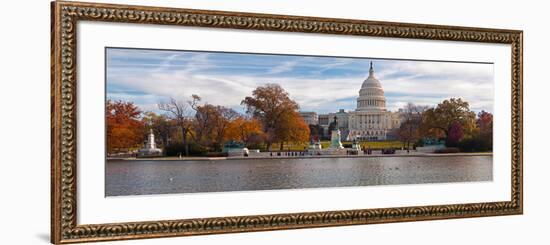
(456, 132)
(485, 123)
(124, 128)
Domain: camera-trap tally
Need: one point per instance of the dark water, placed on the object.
(138, 177)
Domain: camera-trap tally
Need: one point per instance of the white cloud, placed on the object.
(284, 67)
(424, 83)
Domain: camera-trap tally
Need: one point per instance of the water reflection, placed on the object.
(126, 177)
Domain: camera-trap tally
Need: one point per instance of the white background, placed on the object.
(94, 208)
(25, 122)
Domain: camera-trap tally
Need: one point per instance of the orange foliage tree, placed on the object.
(277, 112)
(291, 128)
(124, 128)
(246, 130)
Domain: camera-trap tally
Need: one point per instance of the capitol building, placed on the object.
(369, 121)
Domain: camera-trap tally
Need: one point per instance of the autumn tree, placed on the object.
(409, 130)
(484, 123)
(291, 128)
(225, 116)
(182, 112)
(442, 117)
(455, 135)
(270, 104)
(211, 124)
(482, 139)
(246, 130)
(124, 127)
(161, 125)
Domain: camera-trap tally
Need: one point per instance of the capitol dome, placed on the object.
(371, 95)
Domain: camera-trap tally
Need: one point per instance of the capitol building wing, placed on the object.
(370, 120)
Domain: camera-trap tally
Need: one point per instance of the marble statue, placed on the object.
(150, 149)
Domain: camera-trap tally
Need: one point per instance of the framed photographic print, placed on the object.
(175, 122)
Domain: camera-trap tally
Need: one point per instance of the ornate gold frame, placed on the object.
(65, 15)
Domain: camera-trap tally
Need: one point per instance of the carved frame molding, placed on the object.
(65, 16)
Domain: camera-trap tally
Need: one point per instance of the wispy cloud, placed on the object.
(320, 84)
(285, 66)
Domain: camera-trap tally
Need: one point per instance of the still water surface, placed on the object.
(139, 177)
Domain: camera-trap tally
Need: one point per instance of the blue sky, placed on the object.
(321, 84)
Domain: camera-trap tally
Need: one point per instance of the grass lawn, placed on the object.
(326, 144)
(382, 144)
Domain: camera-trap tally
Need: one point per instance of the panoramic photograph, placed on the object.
(202, 121)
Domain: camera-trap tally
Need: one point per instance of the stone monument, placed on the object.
(356, 148)
(356, 145)
(235, 149)
(315, 146)
(150, 149)
(335, 147)
(335, 139)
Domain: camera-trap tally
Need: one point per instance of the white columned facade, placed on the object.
(370, 120)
